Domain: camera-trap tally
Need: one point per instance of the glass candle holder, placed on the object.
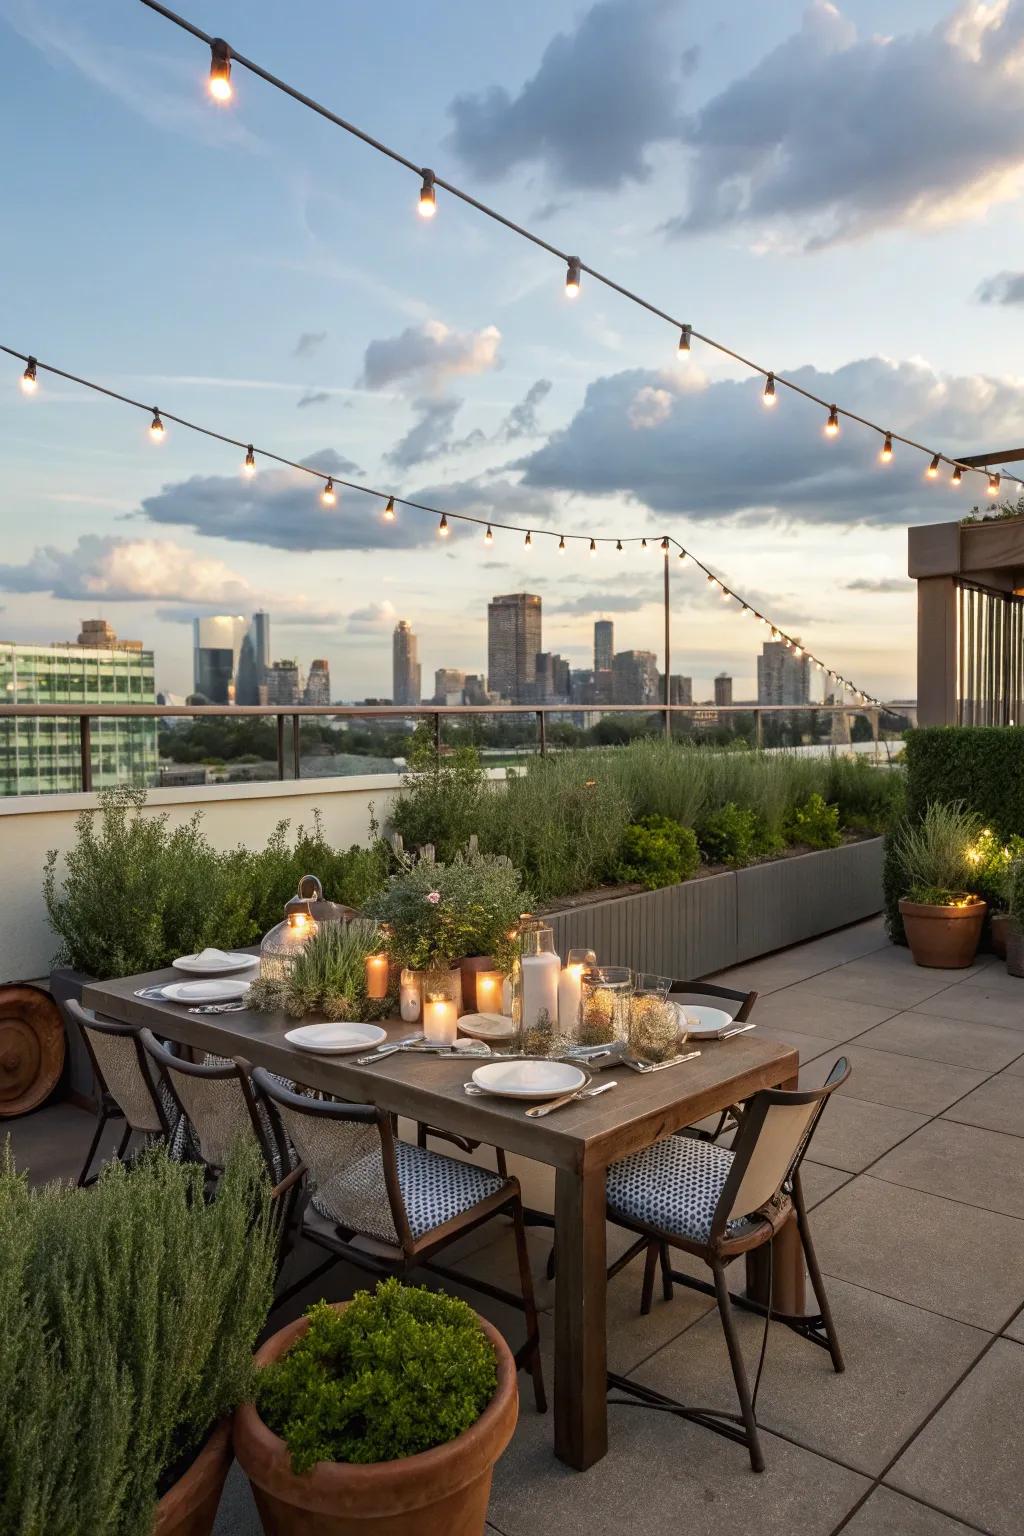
(489, 987)
(570, 987)
(410, 996)
(605, 991)
(653, 1028)
(441, 999)
(283, 944)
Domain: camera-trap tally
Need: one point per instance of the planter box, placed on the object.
(78, 1082)
(709, 924)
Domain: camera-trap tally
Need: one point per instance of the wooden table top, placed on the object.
(642, 1109)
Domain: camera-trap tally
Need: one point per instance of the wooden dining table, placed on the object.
(578, 1142)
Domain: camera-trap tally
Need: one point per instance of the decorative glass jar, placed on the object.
(653, 1020)
(605, 991)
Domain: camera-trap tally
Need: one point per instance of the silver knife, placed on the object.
(568, 1098)
(660, 1066)
(741, 1030)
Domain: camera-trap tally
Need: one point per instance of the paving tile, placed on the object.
(819, 1182)
(967, 1461)
(900, 1363)
(998, 1104)
(891, 1514)
(961, 1162)
(903, 1082)
(983, 1047)
(884, 984)
(1015, 1330)
(983, 1000)
(853, 1133)
(809, 1046)
(801, 1008)
(1016, 1068)
(954, 1259)
(664, 1474)
(51, 1143)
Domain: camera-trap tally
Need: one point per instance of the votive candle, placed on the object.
(488, 991)
(377, 976)
(440, 1020)
(570, 985)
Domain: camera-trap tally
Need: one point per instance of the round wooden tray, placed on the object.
(31, 1047)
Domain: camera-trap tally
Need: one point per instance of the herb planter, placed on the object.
(441, 1492)
(189, 1508)
(943, 938)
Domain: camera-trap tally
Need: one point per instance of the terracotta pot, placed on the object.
(1015, 949)
(443, 1492)
(190, 1507)
(998, 932)
(469, 968)
(945, 938)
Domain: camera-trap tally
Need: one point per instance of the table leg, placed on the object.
(787, 1257)
(581, 1388)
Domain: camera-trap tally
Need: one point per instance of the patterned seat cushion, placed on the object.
(674, 1186)
(435, 1189)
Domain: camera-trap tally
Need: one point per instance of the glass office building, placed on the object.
(42, 756)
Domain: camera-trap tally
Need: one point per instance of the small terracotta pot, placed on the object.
(1015, 949)
(469, 968)
(944, 938)
(998, 932)
(442, 1492)
(190, 1507)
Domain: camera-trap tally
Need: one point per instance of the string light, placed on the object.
(643, 543)
(664, 544)
(618, 545)
(886, 453)
(933, 468)
(593, 547)
(29, 381)
(832, 425)
(957, 475)
(329, 495)
(573, 274)
(389, 511)
(682, 554)
(442, 528)
(428, 196)
(249, 467)
(994, 483)
(561, 545)
(769, 390)
(488, 536)
(220, 71)
(712, 581)
(157, 431)
(684, 338)
(528, 541)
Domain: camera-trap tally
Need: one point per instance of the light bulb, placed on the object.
(797, 651)
(442, 528)
(389, 511)
(249, 467)
(684, 338)
(933, 468)
(710, 579)
(618, 545)
(220, 71)
(886, 453)
(428, 196)
(957, 475)
(682, 554)
(561, 544)
(29, 381)
(157, 430)
(593, 547)
(994, 483)
(832, 425)
(329, 495)
(769, 390)
(643, 543)
(573, 273)
(664, 544)
(528, 541)
(488, 536)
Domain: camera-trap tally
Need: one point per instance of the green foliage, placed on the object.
(349, 875)
(439, 913)
(893, 883)
(328, 977)
(128, 1315)
(440, 797)
(814, 824)
(935, 851)
(871, 798)
(936, 896)
(1015, 891)
(729, 835)
(657, 851)
(398, 1372)
(980, 765)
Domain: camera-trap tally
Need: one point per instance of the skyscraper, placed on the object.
(217, 641)
(782, 678)
(723, 689)
(604, 645)
(449, 683)
(253, 659)
(283, 685)
(318, 683)
(681, 689)
(635, 677)
(513, 641)
(405, 665)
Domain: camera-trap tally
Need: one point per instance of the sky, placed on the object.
(842, 202)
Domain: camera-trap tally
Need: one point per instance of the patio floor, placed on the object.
(917, 1183)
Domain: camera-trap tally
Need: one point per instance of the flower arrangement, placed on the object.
(437, 914)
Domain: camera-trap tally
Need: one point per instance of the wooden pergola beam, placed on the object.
(983, 460)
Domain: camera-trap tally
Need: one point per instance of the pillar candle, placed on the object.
(377, 976)
(488, 991)
(440, 1020)
(410, 1000)
(569, 987)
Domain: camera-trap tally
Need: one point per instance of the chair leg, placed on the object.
(501, 1162)
(666, 1272)
(529, 1309)
(817, 1283)
(101, 1120)
(739, 1370)
(125, 1139)
(550, 1266)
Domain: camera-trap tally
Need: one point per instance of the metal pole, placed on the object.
(542, 732)
(668, 656)
(85, 749)
(280, 746)
(296, 745)
(874, 730)
(758, 729)
(437, 735)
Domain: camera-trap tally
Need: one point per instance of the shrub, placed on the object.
(328, 977)
(1015, 891)
(657, 851)
(814, 824)
(397, 1372)
(130, 1311)
(870, 797)
(980, 765)
(349, 875)
(729, 835)
(479, 900)
(935, 852)
(440, 797)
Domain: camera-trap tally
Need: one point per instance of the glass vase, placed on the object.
(605, 991)
(534, 987)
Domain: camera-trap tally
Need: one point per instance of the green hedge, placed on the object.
(983, 765)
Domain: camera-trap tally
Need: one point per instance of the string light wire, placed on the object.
(575, 266)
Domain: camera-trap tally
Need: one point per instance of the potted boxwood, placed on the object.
(942, 917)
(385, 1413)
(1015, 929)
(130, 1314)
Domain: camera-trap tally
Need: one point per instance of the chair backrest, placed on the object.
(774, 1135)
(349, 1153)
(121, 1068)
(739, 1005)
(213, 1094)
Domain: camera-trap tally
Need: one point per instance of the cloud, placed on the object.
(603, 93)
(521, 420)
(428, 437)
(850, 134)
(881, 584)
(1003, 288)
(309, 342)
(281, 508)
(717, 453)
(426, 356)
(313, 397)
(649, 407)
(371, 619)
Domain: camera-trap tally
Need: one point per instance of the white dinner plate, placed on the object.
(525, 1079)
(703, 1023)
(336, 1039)
(487, 1026)
(215, 962)
(211, 991)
